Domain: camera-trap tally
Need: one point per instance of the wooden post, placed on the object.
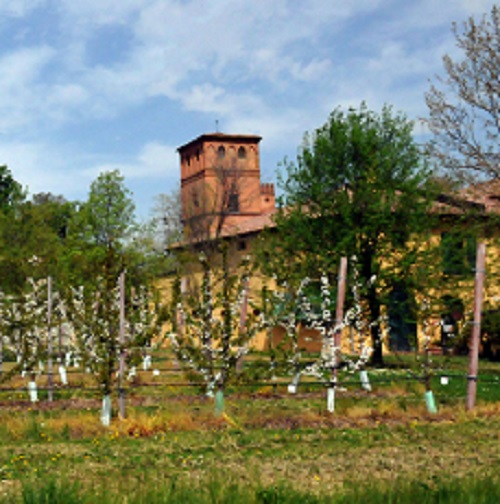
(243, 321)
(121, 371)
(339, 311)
(339, 318)
(476, 328)
(180, 315)
(1, 344)
(49, 340)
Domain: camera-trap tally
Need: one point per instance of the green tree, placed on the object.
(464, 104)
(99, 250)
(24, 240)
(359, 188)
(101, 229)
(11, 191)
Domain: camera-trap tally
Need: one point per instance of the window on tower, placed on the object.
(221, 152)
(233, 203)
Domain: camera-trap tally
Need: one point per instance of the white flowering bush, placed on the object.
(212, 326)
(314, 309)
(95, 318)
(280, 308)
(24, 327)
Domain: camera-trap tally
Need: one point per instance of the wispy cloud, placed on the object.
(71, 70)
(152, 161)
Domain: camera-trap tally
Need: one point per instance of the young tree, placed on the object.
(209, 332)
(100, 251)
(464, 105)
(112, 328)
(359, 188)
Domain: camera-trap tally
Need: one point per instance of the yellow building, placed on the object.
(223, 198)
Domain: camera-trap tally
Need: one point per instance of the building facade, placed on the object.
(221, 189)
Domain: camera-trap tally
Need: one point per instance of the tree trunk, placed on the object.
(368, 255)
(377, 358)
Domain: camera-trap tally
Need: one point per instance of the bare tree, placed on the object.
(212, 205)
(167, 219)
(464, 105)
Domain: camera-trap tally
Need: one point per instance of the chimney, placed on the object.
(267, 198)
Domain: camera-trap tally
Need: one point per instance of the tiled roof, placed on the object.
(486, 194)
(250, 225)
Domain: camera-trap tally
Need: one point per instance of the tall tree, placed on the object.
(464, 104)
(11, 191)
(101, 250)
(359, 188)
(15, 234)
(101, 229)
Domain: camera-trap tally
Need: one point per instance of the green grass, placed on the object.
(218, 490)
(270, 447)
(384, 459)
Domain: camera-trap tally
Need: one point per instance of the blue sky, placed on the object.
(94, 85)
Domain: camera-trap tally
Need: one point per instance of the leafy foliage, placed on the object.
(360, 188)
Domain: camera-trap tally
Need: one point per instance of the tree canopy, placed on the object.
(361, 189)
(11, 191)
(101, 228)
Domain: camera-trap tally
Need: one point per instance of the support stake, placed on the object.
(476, 327)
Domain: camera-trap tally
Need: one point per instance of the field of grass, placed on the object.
(268, 447)
(280, 451)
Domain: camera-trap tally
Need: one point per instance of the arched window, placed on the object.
(242, 153)
(221, 152)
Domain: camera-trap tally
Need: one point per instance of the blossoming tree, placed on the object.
(211, 325)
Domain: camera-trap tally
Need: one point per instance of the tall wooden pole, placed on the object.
(339, 311)
(1, 345)
(476, 328)
(121, 371)
(243, 321)
(339, 318)
(49, 340)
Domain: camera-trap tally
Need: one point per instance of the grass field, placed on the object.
(268, 447)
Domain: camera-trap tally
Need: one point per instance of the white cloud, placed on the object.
(179, 47)
(271, 68)
(18, 8)
(40, 168)
(475, 6)
(153, 160)
(20, 87)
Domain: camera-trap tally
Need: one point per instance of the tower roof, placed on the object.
(221, 137)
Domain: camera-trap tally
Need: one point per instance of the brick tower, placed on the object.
(220, 184)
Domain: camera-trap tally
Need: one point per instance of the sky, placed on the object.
(95, 85)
